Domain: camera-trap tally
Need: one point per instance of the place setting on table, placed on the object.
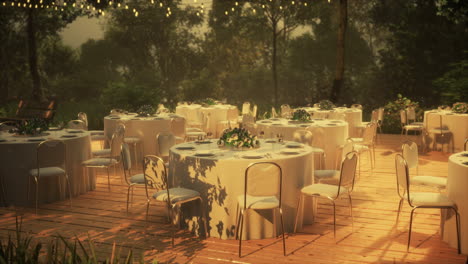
(18, 148)
(216, 167)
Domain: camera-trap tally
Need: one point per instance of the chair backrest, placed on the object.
(273, 112)
(248, 119)
(76, 124)
(403, 118)
(381, 113)
(206, 121)
(285, 111)
(263, 179)
(155, 174)
(162, 109)
(83, 117)
(409, 151)
(358, 106)
(375, 115)
(319, 139)
(411, 113)
(245, 108)
(347, 148)
(369, 133)
(466, 143)
(51, 153)
(165, 141)
(303, 136)
(348, 171)
(254, 111)
(402, 174)
(126, 161)
(117, 141)
(178, 126)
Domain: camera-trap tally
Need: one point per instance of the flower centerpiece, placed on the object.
(145, 110)
(326, 105)
(460, 108)
(238, 138)
(207, 101)
(301, 115)
(31, 127)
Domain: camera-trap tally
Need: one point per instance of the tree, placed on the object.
(340, 51)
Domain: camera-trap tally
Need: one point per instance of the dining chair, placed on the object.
(132, 180)
(408, 122)
(333, 176)
(441, 134)
(409, 151)
(76, 124)
(262, 191)
(254, 111)
(245, 108)
(333, 192)
(420, 199)
(374, 118)
(366, 143)
(165, 141)
(50, 163)
(96, 135)
(380, 119)
(285, 111)
(156, 177)
(114, 156)
(307, 137)
(273, 112)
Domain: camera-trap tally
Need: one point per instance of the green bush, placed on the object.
(392, 121)
(129, 96)
(95, 110)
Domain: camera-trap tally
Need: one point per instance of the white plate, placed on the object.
(36, 139)
(185, 148)
(289, 152)
(204, 154)
(74, 131)
(253, 156)
(68, 136)
(294, 145)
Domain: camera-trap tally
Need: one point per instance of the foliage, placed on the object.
(454, 83)
(129, 96)
(460, 108)
(392, 121)
(238, 138)
(31, 127)
(24, 250)
(301, 115)
(93, 107)
(207, 101)
(326, 105)
(145, 110)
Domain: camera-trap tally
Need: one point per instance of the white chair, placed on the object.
(76, 124)
(333, 192)
(162, 109)
(273, 112)
(50, 162)
(466, 143)
(441, 134)
(366, 143)
(155, 173)
(380, 119)
(286, 111)
(410, 153)
(420, 199)
(165, 141)
(114, 156)
(408, 118)
(374, 118)
(333, 176)
(262, 191)
(96, 135)
(254, 111)
(307, 137)
(245, 108)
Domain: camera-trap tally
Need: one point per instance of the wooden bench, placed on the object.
(31, 109)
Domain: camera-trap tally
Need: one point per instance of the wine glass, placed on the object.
(279, 136)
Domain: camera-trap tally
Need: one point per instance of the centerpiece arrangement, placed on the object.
(31, 127)
(207, 101)
(460, 108)
(238, 138)
(145, 110)
(301, 115)
(326, 105)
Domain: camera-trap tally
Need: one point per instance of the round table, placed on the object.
(18, 156)
(457, 186)
(220, 180)
(456, 123)
(146, 128)
(329, 135)
(219, 116)
(351, 115)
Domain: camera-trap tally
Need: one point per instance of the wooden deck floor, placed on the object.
(100, 215)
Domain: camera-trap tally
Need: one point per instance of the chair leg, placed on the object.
(237, 220)
(282, 231)
(297, 212)
(37, 193)
(351, 211)
(108, 178)
(241, 223)
(410, 226)
(399, 210)
(457, 217)
(147, 209)
(128, 198)
(334, 220)
(69, 189)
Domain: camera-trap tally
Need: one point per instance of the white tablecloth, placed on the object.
(220, 180)
(457, 190)
(352, 115)
(328, 134)
(216, 113)
(18, 156)
(146, 128)
(456, 123)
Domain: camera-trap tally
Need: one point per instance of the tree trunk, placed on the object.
(340, 52)
(274, 62)
(37, 92)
